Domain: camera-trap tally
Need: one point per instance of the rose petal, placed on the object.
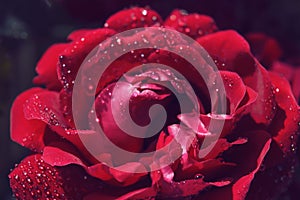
(241, 187)
(235, 89)
(47, 67)
(194, 25)
(71, 59)
(291, 73)
(117, 176)
(266, 49)
(144, 193)
(28, 133)
(230, 51)
(35, 179)
(186, 188)
(133, 18)
(286, 123)
(78, 34)
(263, 110)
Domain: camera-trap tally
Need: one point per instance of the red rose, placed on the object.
(253, 158)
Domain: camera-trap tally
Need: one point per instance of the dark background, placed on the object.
(27, 28)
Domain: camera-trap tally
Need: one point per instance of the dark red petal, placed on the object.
(266, 49)
(186, 188)
(245, 156)
(118, 176)
(292, 74)
(33, 178)
(44, 106)
(78, 34)
(71, 59)
(194, 25)
(296, 84)
(241, 187)
(107, 120)
(145, 193)
(284, 69)
(47, 67)
(133, 18)
(230, 51)
(32, 112)
(58, 157)
(235, 89)
(126, 178)
(264, 108)
(287, 122)
(223, 145)
(28, 133)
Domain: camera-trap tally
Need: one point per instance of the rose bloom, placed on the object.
(254, 157)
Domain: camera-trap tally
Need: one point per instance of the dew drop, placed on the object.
(173, 17)
(187, 30)
(119, 41)
(144, 12)
(198, 176)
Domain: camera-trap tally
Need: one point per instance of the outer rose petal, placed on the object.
(35, 179)
(37, 109)
(235, 90)
(266, 49)
(194, 25)
(291, 73)
(241, 187)
(286, 123)
(47, 67)
(133, 18)
(28, 133)
(78, 34)
(57, 157)
(231, 52)
(73, 56)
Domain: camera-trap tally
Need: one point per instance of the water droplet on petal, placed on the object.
(173, 17)
(144, 12)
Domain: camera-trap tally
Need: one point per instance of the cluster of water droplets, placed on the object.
(37, 180)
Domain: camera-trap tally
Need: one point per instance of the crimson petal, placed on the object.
(133, 18)
(71, 59)
(28, 133)
(266, 49)
(286, 135)
(47, 67)
(33, 178)
(194, 25)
